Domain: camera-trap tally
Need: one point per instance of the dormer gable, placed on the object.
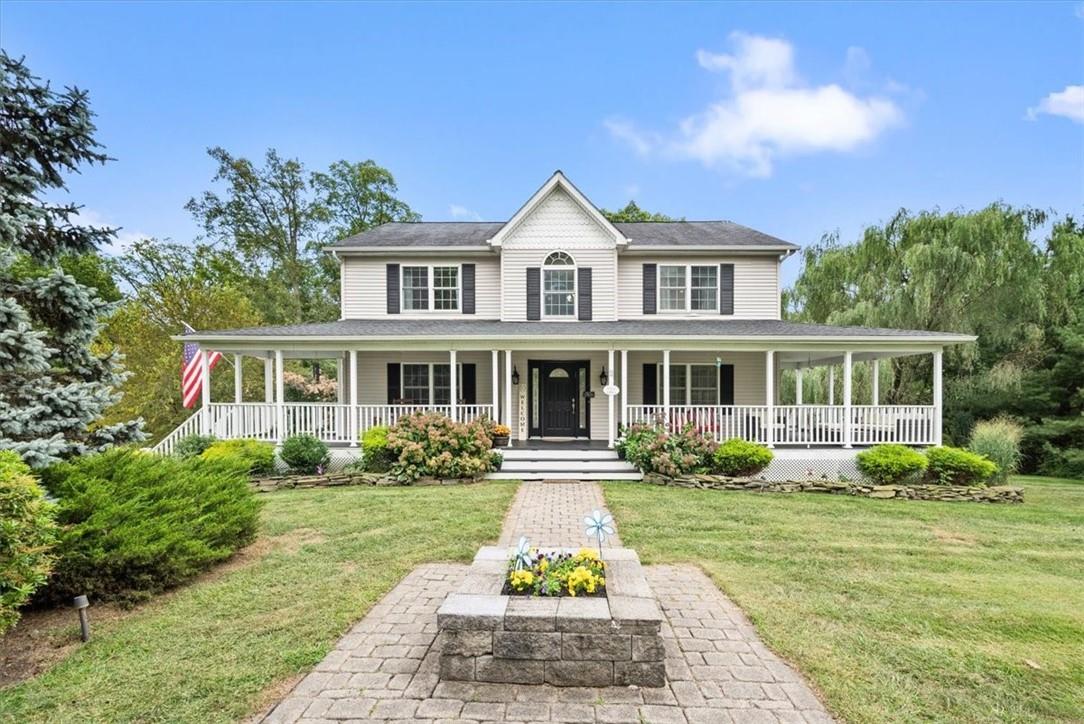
(559, 212)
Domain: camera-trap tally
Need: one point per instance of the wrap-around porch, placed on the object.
(584, 394)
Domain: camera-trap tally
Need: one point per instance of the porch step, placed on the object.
(519, 453)
(565, 464)
(557, 463)
(566, 475)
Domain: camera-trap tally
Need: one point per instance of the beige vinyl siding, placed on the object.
(365, 293)
(756, 285)
(559, 224)
(749, 373)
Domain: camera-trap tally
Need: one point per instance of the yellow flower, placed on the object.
(581, 579)
(543, 564)
(521, 580)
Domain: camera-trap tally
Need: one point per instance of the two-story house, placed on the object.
(567, 327)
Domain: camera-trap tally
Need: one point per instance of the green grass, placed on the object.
(897, 611)
(210, 651)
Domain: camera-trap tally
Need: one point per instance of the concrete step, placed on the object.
(565, 475)
(515, 453)
(585, 465)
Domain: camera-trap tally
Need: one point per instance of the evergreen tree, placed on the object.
(53, 386)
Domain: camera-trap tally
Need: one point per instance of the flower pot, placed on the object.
(500, 440)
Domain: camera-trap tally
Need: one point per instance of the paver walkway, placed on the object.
(385, 668)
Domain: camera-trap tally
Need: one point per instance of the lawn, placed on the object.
(897, 611)
(222, 647)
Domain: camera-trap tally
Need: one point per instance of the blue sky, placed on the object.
(796, 119)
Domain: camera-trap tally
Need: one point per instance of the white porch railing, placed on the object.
(328, 421)
(798, 424)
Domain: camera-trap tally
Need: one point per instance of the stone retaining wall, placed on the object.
(568, 641)
(992, 494)
(328, 480)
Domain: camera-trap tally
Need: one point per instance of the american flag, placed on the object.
(192, 370)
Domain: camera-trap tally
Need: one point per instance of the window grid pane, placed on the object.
(672, 288)
(704, 283)
(446, 287)
(415, 384)
(442, 385)
(415, 288)
(559, 293)
(705, 385)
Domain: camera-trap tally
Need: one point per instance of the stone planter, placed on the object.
(566, 641)
(500, 440)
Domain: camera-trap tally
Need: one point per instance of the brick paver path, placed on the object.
(385, 668)
(551, 514)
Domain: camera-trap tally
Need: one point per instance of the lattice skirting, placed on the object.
(812, 464)
(340, 458)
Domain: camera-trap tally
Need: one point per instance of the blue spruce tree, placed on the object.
(53, 386)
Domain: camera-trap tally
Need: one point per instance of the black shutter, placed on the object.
(534, 293)
(726, 385)
(469, 393)
(651, 384)
(393, 288)
(650, 282)
(394, 379)
(468, 288)
(726, 289)
(583, 291)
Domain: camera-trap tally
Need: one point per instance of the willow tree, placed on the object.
(54, 386)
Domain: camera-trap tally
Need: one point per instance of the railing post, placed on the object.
(937, 397)
(847, 399)
(280, 398)
(353, 380)
(769, 388)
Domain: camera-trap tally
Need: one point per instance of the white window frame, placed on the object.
(575, 287)
(688, 383)
(431, 379)
(431, 295)
(688, 309)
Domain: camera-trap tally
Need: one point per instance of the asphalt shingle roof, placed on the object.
(453, 328)
(647, 233)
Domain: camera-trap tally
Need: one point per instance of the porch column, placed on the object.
(769, 390)
(624, 388)
(352, 377)
(508, 417)
(937, 397)
(205, 391)
(454, 387)
(831, 385)
(340, 388)
(494, 398)
(610, 399)
(798, 386)
(237, 379)
(876, 382)
(666, 387)
(280, 398)
(268, 380)
(847, 399)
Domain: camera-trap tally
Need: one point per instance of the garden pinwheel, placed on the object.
(522, 555)
(599, 525)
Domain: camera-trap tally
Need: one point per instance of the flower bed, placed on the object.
(557, 573)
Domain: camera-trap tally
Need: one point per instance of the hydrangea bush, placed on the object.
(654, 450)
(428, 444)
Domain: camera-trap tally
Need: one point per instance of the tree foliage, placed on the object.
(54, 386)
(632, 212)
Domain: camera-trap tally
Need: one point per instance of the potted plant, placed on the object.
(500, 435)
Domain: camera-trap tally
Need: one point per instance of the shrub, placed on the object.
(257, 456)
(27, 532)
(305, 454)
(193, 446)
(999, 441)
(654, 450)
(955, 466)
(891, 464)
(430, 444)
(740, 458)
(136, 524)
(1054, 447)
(376, 456)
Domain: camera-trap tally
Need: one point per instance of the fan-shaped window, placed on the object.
(559, 373)
(559, 258)
(559, 286)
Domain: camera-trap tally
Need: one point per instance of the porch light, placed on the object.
(718, 362)
(603, 378)
(515, 375)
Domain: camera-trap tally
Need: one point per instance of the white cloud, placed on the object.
(123, 239)
(463, 213)
(1068, 103)
(770, 112)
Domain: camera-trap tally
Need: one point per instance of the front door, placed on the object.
(558, 401)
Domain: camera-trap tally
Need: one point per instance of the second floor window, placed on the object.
(688, 288)
(419, 295)
(559, 285)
